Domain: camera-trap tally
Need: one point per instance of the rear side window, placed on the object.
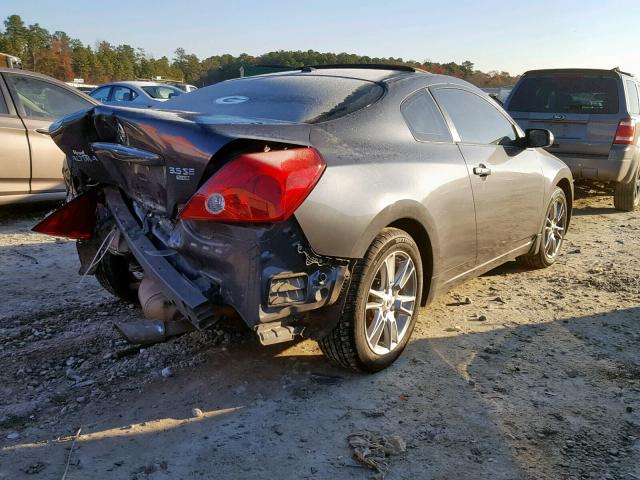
(43, 99)
(475, 119)
(123, 94)
(632, 94)
(101, 94)
(162, 92)
(590, 94)
(424, 119)
(290, 98)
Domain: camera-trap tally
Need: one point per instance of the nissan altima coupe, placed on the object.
(326, 203)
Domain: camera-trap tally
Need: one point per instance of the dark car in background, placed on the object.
(329, 203)
(593, 115)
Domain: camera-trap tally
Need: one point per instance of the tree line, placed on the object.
(65, 58)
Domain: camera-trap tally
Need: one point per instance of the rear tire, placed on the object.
(626, 196)
(374, 328)
(555, 223)
(115, 275)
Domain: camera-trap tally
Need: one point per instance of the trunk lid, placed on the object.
(158, 158)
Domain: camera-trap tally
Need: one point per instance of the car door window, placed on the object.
(4, 110)
(476, 120)
(101, 94)
(123, 94)
(42, 99)
(634, 104)
(424, 118)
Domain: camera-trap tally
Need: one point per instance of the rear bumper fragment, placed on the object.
(267, 274)
(187, 297)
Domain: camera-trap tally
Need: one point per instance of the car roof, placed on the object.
(612, 71)
(136, 83)
(48, 79)
(372, 73)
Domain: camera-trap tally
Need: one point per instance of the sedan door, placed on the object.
(443, 168)
(39, 103)
(15, 164)
(507, 180)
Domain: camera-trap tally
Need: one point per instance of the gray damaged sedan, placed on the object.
(328, 203)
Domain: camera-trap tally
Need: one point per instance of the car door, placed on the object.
(451, 198)
(15, 164)
(507, 181)
(39, 103)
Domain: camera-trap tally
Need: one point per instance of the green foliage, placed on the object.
(65, 58)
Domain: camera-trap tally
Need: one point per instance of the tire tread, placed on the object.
(339, 345)
(624, 196)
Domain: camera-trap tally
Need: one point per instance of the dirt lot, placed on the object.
(536, 376)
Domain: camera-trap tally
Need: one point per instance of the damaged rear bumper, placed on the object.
(267, 274)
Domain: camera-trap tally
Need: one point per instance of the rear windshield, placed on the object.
(566, 94)
(289, 98)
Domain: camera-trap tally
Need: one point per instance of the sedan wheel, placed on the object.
(554, 229)
(392, 298)
(555, 226)
(381, 305)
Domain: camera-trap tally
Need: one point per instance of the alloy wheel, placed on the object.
(555, 227)
(391, 303)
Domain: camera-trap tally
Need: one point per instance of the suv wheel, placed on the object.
(626, 196)
(117, 275)
(381, 307)
(553, 232)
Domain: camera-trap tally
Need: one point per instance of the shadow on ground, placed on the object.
(554, 400)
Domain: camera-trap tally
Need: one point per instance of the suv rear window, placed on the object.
(289, 98)
(566, 94)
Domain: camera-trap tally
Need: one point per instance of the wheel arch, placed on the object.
(567, 188)
(420, 235)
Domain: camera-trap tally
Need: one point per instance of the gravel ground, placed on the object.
(516, 374)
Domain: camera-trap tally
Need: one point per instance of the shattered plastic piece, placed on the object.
(196, 413)
(372, 449)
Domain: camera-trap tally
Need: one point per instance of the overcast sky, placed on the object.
(513, 36)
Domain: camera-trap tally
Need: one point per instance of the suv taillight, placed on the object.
(257, 187)
(626, 132)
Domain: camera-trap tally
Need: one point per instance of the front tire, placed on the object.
(554, 229)
(381, 307)
(626, 196)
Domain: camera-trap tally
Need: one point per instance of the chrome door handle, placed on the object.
(482, 170)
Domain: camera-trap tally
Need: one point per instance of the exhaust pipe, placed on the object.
(163, 318)
(148, 332)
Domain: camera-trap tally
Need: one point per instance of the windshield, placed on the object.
(566, 94)
(162, 92)
(289, 98)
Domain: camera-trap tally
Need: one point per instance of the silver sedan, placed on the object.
(135, 94)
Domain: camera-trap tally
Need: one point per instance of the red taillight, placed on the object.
(75, 219)
(626, 132)
(257, 187)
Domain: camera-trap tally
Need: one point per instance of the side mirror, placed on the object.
(496, 98)
(538, 137)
